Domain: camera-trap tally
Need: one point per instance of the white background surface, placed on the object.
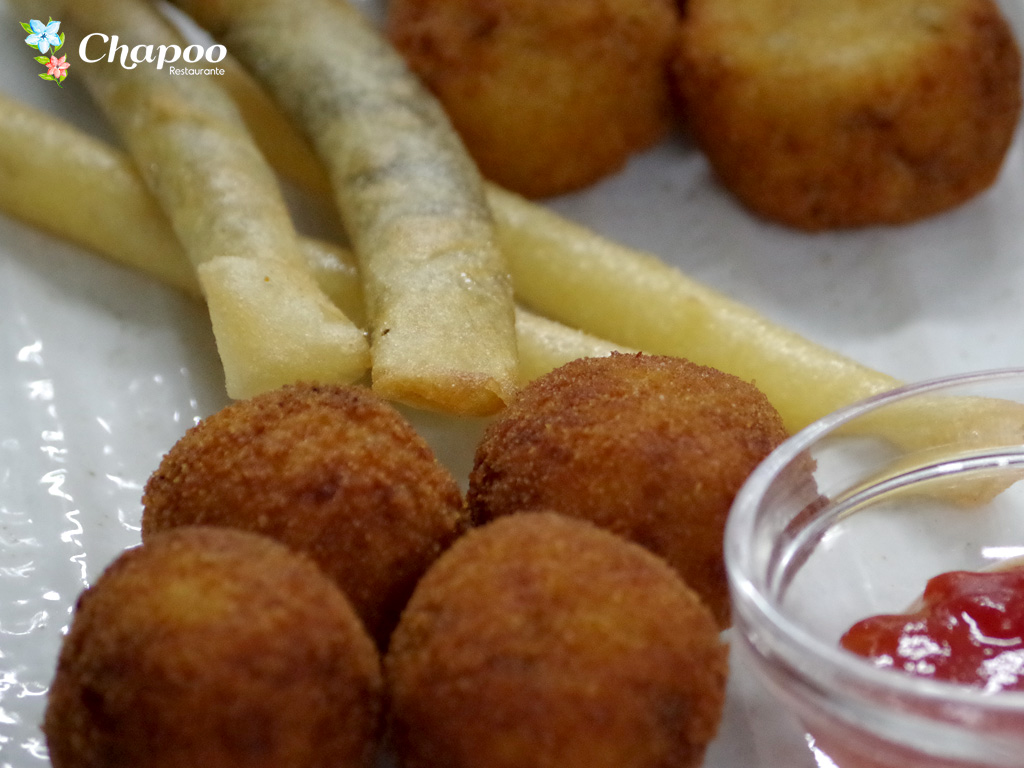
(101, 370)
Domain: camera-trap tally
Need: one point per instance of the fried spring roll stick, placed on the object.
(573, 275)
(568, 273)
(108, 209)
(437, 290)
(271, 321)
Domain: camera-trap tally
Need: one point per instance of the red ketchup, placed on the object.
(969, 629)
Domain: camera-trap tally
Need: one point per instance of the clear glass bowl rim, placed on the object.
(820, 660)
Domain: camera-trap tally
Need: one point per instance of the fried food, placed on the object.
(575, 276)
(109, 210)
(569, 273)
(272, 323)
(539, 641)
(545, 345)
(437, 290)
(548, 96)
(840, 114)
(651, 448)
(217, 648)
(107, 206)
(334, 472)
(641, 298)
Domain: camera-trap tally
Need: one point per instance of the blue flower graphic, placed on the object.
(44, 35)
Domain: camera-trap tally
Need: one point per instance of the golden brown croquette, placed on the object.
(216, 648)
(332, 471)
(539, 641)
(548, 95)
(831, 113)
(652, 448)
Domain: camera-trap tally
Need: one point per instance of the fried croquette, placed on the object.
(548, 95)
(332, 471)
(217, 648)
(539, 641)
(652, 448)
(827, 114)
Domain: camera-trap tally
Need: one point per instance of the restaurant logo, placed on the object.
(47, 38)
(160, 55)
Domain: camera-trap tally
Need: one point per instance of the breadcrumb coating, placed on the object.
(653, 448)
(831, 113)
(332, 471)
(548, 95)
(539, 641)
(216, 648)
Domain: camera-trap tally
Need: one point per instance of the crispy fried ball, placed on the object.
(216, 648)
(548, 95)
(830, 113)
(335, 472)
(653, 448)
(539, 641)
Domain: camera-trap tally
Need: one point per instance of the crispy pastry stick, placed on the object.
(568, 273)
(271, 321)
(573, 275)
(437, 290)
(108, 209)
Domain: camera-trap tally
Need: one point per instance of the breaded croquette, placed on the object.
(216, 648)
(335, 472)
(548, 95)
(653, 448)
(539, 641)
(832, 113)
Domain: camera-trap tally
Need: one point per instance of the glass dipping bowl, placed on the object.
(849, 519)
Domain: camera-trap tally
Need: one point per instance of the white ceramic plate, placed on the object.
(101, 370)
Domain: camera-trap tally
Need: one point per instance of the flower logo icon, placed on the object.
(47, 38)
(57, 68)
(43, 36)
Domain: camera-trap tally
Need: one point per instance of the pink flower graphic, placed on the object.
(57, 68)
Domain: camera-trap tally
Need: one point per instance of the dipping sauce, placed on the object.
(969, 629)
